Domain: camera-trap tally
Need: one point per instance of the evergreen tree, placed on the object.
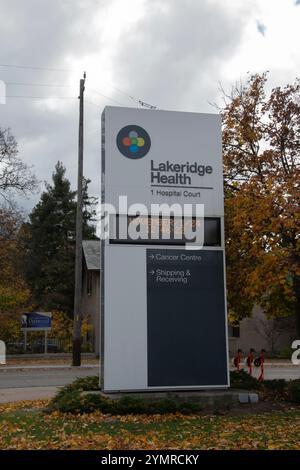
(49, 243)
(88, 212)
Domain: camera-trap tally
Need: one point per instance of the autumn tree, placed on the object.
(261, 145)
(14, 292)
(48, 241)
(15, 175)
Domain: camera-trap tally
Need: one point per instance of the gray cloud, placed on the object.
(45, 33)
(171, 57)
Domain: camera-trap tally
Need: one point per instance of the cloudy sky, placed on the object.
(170, 53)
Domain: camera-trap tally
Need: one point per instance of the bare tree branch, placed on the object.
(15, 175)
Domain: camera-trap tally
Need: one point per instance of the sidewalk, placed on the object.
(96, 364)
(10, 395)
(49, 359)
(268, 363)
(4, 368)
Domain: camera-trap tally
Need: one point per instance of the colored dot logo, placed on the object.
(133, 142)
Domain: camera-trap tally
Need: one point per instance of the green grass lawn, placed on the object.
(26, 426)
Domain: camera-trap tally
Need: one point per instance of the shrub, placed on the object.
(276, 385)
(71, 400)
(242, 380)
(10, 327)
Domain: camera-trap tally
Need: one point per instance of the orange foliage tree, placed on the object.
(261, 146)
(14, 293)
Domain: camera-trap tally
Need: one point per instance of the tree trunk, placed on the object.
(76, 353)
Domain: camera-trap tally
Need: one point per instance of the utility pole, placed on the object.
(78, 255)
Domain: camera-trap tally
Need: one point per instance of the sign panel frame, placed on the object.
(38, 318)
(124, 353)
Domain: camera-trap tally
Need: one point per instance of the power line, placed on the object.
(92, 103)
(54, 85)
(51, 85)
(53, 97)
(60, 98)
(119, 90)
(98, 105)
(124, 93)
(42, 97)
(104, 96)
(56, 98)
(31, 67)
(136, 100)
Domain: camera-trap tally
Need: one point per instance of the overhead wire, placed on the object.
(104, 96)
(54, 85)
(42, 97)
(32, 67)
(50, 85)
(119, 90)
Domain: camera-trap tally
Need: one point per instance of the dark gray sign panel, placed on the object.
(186, 318)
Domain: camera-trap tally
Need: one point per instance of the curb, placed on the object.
(47, 367)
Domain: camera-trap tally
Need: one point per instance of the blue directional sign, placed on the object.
(36, 321)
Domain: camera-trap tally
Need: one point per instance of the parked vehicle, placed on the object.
(15, 348)
(38, 346)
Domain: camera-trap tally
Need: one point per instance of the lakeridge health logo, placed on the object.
(133, 142)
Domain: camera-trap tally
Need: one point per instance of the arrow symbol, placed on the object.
(151, 272)
(151, 256)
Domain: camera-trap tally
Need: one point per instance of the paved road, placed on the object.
(9, 395)
(16, 378)
(41, 383)
(287, 372)
(52, 377)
